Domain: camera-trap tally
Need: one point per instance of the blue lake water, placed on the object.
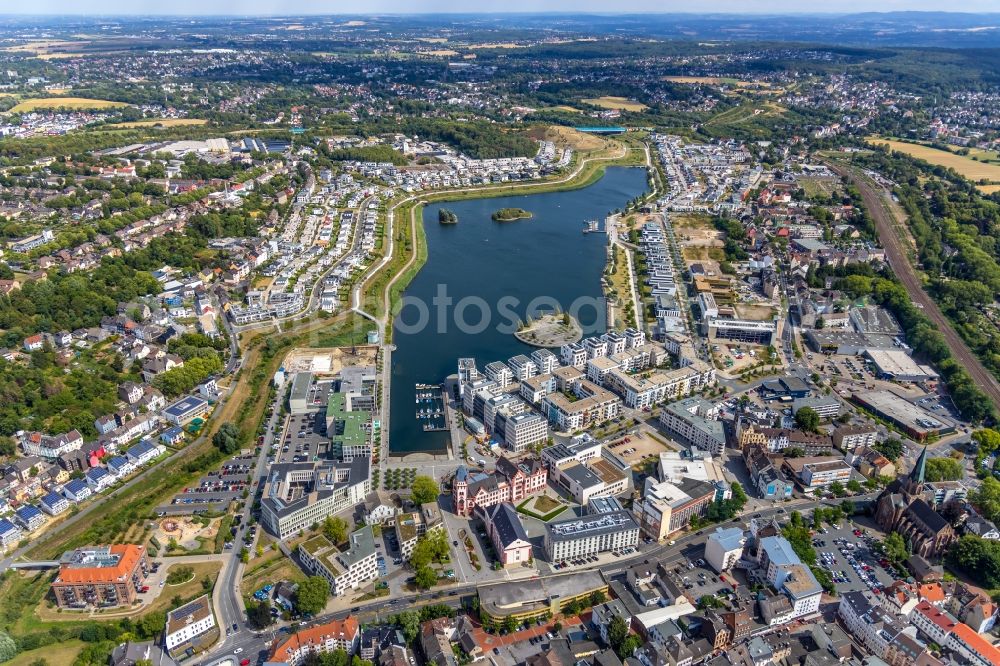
(507, 267)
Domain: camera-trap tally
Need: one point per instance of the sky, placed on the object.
(287, 7)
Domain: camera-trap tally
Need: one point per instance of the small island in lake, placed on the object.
(511, 214)
(446, 216)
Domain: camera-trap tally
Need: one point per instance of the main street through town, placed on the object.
(254, 644)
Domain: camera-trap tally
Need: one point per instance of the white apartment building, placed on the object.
(188, 622)
(545, 361)
(724, 548)
(346, 570)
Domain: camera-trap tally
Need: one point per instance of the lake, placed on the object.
(482, 276)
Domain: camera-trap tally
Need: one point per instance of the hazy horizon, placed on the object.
(369, 7)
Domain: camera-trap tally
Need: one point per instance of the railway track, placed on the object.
(874, 200)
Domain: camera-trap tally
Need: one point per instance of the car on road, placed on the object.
(237, 650)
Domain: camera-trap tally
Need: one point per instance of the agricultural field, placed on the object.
(30, 105)
(566, 137)
(745, 114)
(966, 166)
(619, 103)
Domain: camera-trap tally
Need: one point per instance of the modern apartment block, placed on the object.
(100, 576)
(344, 570)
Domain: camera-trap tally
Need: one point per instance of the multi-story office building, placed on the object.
(298, 495)
(606, 526)
(693, 421)
(522, 431)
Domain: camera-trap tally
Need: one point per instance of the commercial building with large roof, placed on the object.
(912, 419)
(545, 595)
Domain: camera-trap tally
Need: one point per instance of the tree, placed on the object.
(987, 439)
(227, 438)
(335, 529)
(631, 643)
(617, 632)
(509, 624)
(259, 615)
(425, 577)
(978, 558)
(708, 601)
(8, 648)
(854, 486)
(837, 488)
(424, 489)
(891, 448)
(807, 419)
(895, 548)
(943, 469)
(987, 498)
(312, 595)
(409, 622)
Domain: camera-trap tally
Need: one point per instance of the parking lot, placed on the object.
(852, 559)
(214, 491)
(303, 438)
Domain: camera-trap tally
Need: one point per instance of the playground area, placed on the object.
(189, 533)
(329, 361)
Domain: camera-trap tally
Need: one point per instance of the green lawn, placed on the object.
(60, 653)
(544, 517)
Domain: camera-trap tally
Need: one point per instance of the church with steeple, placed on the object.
(903, 507)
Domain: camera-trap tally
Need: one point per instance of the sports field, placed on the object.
(29, 105)
(966, 166)
(616, 103)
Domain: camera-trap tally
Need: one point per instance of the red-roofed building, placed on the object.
(966, 642)
(934, 622)
(336, 635)
(932, 593)
(101, 576)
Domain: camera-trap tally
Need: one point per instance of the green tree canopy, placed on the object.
(807, 419)
(312, 595)
(424, 489)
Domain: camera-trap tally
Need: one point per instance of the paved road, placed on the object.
(226, 597)
(874, 200)
(380, 609)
